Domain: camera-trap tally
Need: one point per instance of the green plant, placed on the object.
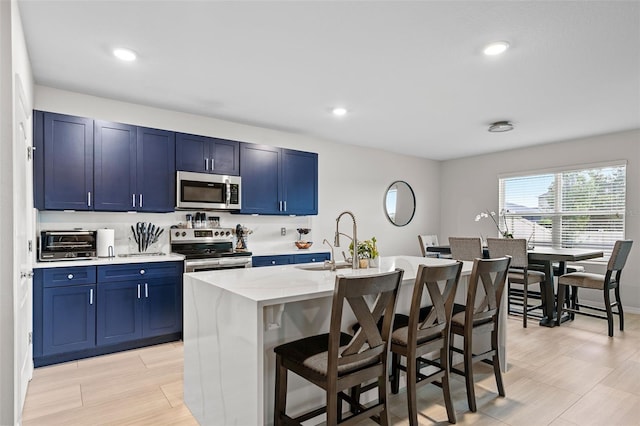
(367, 249)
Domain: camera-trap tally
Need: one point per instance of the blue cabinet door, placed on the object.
(260, 179)
(119, 317)
(155, 171)
(284, 259)
(299, 180)
(191, 153)
(64, 167)
(115, 166)
(68, 319)
(207, 155)
(225, 157)
(162, 308)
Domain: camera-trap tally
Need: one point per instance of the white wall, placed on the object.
(350, 178)
(470, 185)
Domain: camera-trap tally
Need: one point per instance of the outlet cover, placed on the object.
(283, 231)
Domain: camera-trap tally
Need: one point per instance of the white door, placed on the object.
(23, 243)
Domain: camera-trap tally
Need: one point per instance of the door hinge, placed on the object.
(30, 150)
(30, 246)
(30, 337)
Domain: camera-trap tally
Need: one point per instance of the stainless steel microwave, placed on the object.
(205, 191)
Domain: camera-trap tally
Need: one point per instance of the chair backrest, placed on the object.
(465, 248)
(514, 247)
(488, 276)
(619, 255)
(438, 319)
(368, 342)
(427, 241)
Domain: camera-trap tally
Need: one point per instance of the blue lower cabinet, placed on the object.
(68, 319)
(119, 312)
(287, 259)
(312, 257)
(162, 307)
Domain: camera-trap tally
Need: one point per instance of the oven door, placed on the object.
(216, 264)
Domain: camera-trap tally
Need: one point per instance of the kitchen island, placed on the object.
(234, 318)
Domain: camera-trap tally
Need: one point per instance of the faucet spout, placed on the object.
(354, 260)
(331, 262)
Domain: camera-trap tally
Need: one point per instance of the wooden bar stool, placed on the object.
(488, 276)
(338, 361)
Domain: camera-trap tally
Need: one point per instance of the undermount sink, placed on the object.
(323, 267)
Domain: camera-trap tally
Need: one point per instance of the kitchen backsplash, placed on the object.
(265, 238)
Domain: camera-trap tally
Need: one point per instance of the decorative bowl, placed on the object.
(303, 244)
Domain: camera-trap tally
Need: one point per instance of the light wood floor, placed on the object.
(571, 375)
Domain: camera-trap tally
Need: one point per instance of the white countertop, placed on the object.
(117, 260)
(288, 283)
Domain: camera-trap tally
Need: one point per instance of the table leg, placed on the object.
(548, 297)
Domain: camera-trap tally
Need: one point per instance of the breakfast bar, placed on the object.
(234, 318)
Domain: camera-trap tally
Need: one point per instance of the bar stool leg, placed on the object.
(281, 392)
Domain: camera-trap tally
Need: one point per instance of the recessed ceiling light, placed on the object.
(496, 48)
(500, 126)
(339, 111)
(124, 54)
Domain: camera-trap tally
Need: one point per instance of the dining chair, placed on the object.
(427, 335)
(428, 241)
(603, 282)
(519, 274)
(482, 311)
(338, 361)
(465, 248)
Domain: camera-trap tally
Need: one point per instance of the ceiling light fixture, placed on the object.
(496, 48)
(500, 126)
(124, 54)
(339, 111)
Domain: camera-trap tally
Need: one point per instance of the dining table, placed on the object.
(546, 257)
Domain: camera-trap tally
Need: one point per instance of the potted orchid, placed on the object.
(495, 218)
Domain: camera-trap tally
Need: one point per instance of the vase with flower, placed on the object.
(506, 233)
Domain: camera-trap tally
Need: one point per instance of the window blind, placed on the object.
(571, 208)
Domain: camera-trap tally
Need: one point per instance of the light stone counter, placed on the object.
(234, 318)
(117, 260)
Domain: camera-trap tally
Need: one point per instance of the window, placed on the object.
(582, 207)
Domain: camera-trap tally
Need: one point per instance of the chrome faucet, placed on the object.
(331, 262)
(354, 258)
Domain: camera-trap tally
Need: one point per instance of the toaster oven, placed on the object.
(66, 245)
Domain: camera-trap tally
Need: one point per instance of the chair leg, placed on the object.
(559, 308)
(332, 407)
(412, 378)
(383, 398)
(574, 301)
(281, 392)
(607, 305)
(496, 362)
(525, 304)
(620, 311)
(446, 386)
(468, 371)
(395, 373)
(508, 298)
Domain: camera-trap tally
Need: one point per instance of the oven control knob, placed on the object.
(228, 233)
(184, 234)
(141, 271)
(217, 233)
(177, 233)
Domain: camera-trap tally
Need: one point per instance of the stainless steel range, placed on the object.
(208, 249)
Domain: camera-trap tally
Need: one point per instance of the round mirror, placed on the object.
(399, 203)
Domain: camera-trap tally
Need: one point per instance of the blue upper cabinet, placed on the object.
(278, 181)
(207, 155)
(155, 171)
(115, 166)
(63, 163)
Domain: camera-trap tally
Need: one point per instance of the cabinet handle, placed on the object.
(141, 271)
(138, 291)
(280, 205)
(89, 199)
(285, 205)
(91, 296)
(133, 200)
(146, 290)
(213, 164)
(206, 164)
(273, 262)
(140, 203)
(70, 276)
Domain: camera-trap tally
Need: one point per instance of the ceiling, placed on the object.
(412, 74)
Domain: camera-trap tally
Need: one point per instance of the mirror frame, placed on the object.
(384, 202)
